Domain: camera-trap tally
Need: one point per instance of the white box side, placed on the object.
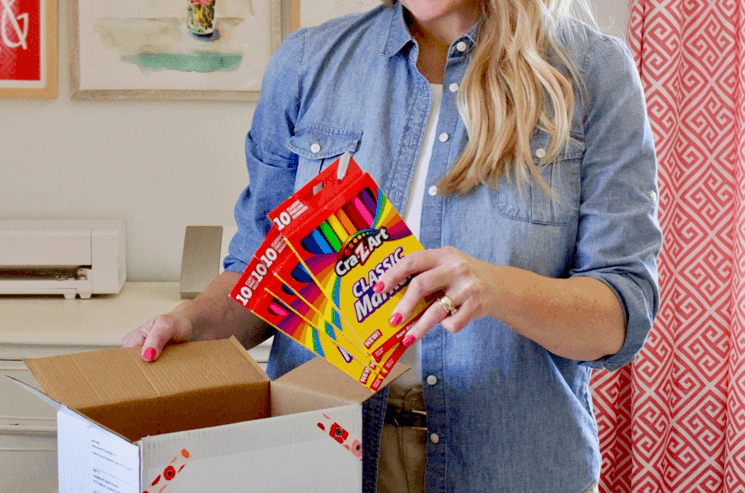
(92, 459)
(286, 453)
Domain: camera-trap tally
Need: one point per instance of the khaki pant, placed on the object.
(402, 455)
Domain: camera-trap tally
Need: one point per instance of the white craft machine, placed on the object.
(75, 257)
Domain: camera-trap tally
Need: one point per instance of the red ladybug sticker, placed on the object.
(340, 435)
(356, 449)
(170, 472)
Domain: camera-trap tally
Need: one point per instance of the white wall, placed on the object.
(160, 165)
(611, 15)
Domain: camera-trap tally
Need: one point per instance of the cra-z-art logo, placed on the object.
(358, 248)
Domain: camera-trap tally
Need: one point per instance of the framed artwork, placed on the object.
(28, 48)
(172, 49)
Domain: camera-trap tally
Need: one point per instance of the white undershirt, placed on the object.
(413, 215)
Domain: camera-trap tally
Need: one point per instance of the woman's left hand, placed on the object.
(472, 286)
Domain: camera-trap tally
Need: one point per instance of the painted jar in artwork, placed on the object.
(201, 16)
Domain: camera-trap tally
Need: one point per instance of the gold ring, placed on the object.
(447, 305)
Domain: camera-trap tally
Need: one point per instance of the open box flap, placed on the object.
(321, 377)
(59, 406)
(96, 378)
(38, 393)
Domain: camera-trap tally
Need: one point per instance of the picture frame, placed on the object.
(149, 49)
(28, 49)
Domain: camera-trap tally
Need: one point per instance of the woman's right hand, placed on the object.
(157, 332)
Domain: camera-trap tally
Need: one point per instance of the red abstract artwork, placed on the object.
(28, 48)
(20, 40)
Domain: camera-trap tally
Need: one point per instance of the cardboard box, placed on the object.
(203, 418)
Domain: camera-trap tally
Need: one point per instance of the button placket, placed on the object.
(432, 237)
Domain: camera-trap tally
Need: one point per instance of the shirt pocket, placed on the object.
(317, 146)
(532, 204)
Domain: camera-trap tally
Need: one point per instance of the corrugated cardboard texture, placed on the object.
(290, 399)
(199, 409)
(99, 378)
(321, 377)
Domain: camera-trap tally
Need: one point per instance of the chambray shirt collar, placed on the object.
(399, 36)
(398, 33)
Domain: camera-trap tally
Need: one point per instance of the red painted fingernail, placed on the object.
(395, 319)
(378, 287)
(149, 354)
(409, 341)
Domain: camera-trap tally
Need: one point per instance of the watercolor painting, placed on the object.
(28, 48)
(173, 49)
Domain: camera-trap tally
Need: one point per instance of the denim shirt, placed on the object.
(503, 413)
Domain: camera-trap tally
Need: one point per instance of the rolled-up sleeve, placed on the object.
(619, 236)
(271, 165)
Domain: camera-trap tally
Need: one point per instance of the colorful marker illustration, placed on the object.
(358, 255)
(312, 276)
(280, 306)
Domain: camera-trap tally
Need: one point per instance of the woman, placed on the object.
(514, 140)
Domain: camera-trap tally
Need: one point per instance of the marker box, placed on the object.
(294, 308)
(346, 233)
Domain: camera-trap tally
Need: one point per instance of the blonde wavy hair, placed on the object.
(510, 89)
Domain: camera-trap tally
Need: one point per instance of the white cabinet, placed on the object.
(28, 448)
(41, 326)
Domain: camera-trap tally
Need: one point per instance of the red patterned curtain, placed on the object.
(674, 419)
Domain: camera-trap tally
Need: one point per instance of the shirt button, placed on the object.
(443, 137)
(434, 438)
(653, 196)
(315, 148)
(433, 190)
(431, 379)
(540, 153)
(453, 87)
(461, 46)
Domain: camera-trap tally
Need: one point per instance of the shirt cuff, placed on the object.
(639, 311)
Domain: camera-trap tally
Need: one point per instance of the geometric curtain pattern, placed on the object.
(674, 419)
